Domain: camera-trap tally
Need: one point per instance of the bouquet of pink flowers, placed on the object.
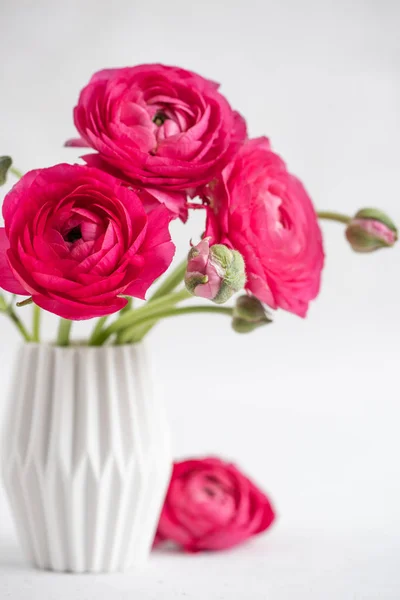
(81, 241)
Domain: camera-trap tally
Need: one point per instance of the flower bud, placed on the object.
(370, 230)
(248, 314)
(5, 164)
(215, 272)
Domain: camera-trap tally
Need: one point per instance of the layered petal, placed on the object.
(260, 209)
(211, 505)
(8, 281)
(78, 240)
(158, 126)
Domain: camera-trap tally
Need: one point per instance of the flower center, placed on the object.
(73, 234)
(284, 218)
(212, 486)
(159, 118)
(209, 491)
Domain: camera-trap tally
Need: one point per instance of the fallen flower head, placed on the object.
(212, 505)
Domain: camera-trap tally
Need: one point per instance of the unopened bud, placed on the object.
(249, 314)
(370, 230)
(215, 272)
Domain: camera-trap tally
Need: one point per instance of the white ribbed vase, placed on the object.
(86, 457)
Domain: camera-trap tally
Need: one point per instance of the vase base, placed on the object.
(139, 566)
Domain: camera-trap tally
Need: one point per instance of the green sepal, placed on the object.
(5, 164)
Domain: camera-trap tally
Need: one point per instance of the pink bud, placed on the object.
(202, 276)
(370, 230)
(214, 272)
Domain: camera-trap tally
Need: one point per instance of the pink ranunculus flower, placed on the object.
(264, 212)
(76, 240)
(157, 125)
(211, 505)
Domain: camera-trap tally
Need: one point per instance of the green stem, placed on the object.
(7, 309)
(18, 323)
(133, 316)
(332, 216)
(20, 326)
(128, 306)
(25, 302)
(171, 282)
(3, 304)
(36, 315)
(64, 331)
(97, 330)
(16, 172)
(139, 331)
(164, 292)
(173, 312)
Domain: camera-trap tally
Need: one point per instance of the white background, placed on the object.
(309, 408)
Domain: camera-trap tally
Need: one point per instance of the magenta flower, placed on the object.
(211, 505)
(77, 241)
(258, 208)
(174, 202)
(156, 125)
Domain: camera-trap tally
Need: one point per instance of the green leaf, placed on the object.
(5, 164)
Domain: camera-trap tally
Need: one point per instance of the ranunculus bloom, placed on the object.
(75, 240)
(211, 505)
(264, 212)
(156, 125)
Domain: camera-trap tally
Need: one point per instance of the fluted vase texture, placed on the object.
(86, 457)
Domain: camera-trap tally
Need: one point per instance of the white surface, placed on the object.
(309, 408)
(87, 457)
(290, 565)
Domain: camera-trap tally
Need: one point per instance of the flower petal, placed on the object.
(8, 280)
